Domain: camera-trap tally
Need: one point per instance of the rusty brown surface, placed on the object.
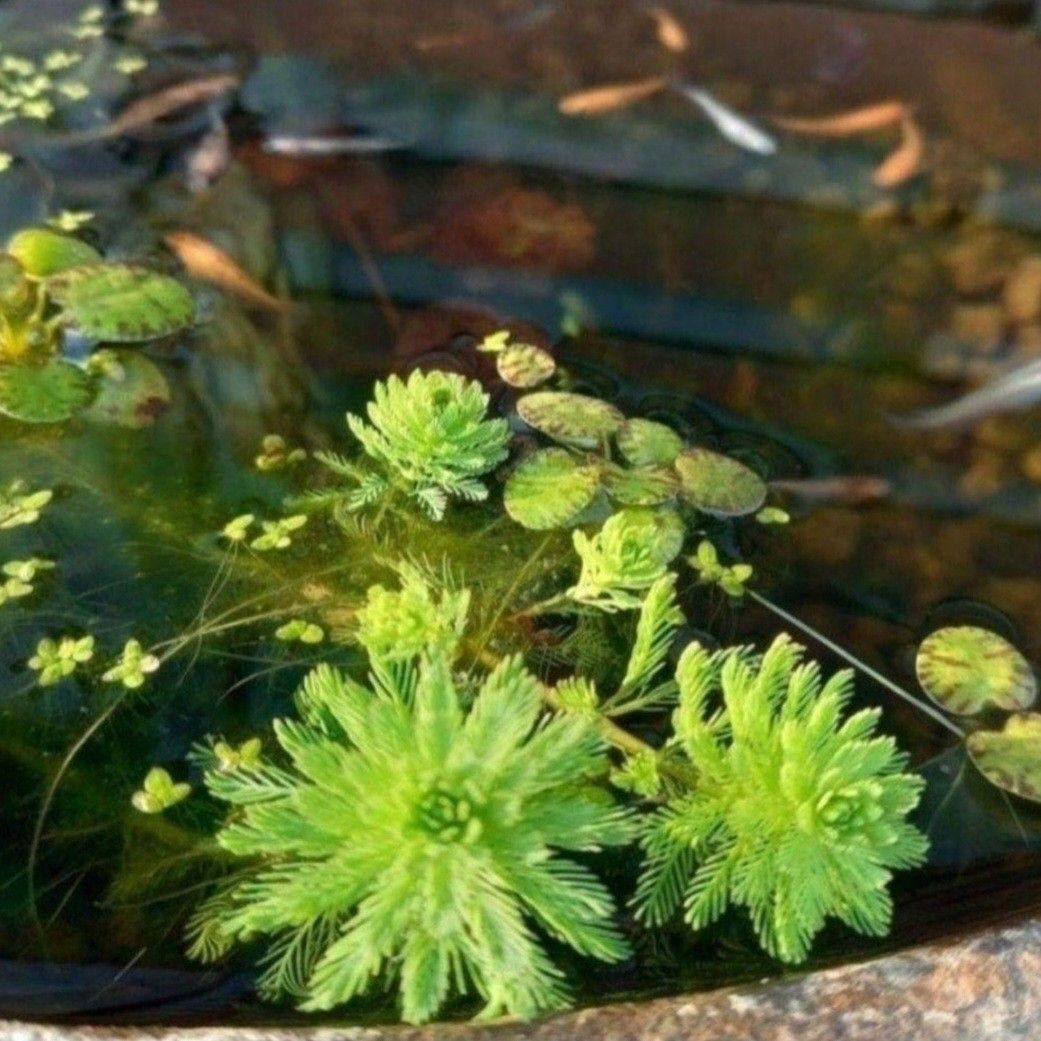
(986, 987)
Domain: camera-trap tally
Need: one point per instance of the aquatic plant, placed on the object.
(400, 624)
(51, 281)
(625, 558)
(17, 577)
(415, 843)
(56, 660)
(431, 440)
(1010, 758)
(159, 791)
(19, 506)
(797, 814)
(135, 665)
(730, 578)
(39, 85)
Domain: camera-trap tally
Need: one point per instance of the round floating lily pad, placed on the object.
(122, 303)
(524, 365)
(966, 669)
(641, 485)
(550, 489)
(131, 389)
(643, 442)
(718, 485)
(43, 253)
(1011, 758)
(572, 419)
(45, 393)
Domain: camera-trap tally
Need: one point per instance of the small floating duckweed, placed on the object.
(299, 630)
(966, 669)
(732, 579)
(19, 506)
(158, 792)
(56, 660)
(135, 665)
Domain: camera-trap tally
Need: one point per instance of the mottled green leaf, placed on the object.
(643, 442)
(524, 365)
(131, 389)
(966, 669)
(46, 393)
(122, 303)
(640, 486)
(718, 485)
(1011, 758)
(43, 253)
(572, 419)
(550, 489)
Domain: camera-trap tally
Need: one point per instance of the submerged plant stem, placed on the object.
(861, 666)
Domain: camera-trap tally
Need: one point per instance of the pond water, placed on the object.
(387, 186)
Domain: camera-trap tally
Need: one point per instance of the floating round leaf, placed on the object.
(122, 302)
(550, 489)
(45, 393)
(641, 485)
(966, 669)
(718, 485)
(572, 419)
(43, 253)
(643, 442)
(524, 365)
(1011, 758)
(131, 389)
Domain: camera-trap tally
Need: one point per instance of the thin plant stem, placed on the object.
(888, 684)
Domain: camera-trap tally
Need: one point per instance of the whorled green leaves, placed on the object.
(966, 669)
(550, 489)
(718, 485)
(122, 303)
(44, 393)
(1011, 758)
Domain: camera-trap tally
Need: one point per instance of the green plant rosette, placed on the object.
(47, 393)
(524, 365)
(550, 489)
(644, 442)
(718, 485)
(1010, 758)
(43, 253)
(131, 389)
(966, 669)
(572, 419)
(122, 303)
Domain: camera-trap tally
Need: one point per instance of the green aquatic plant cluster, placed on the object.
(417, 830)
(51, 284)
(799, 813)
(428, 438)
(52, 77)
(441, 813)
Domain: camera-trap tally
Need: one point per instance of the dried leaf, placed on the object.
(609, 97)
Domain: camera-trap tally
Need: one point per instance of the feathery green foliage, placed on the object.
(432, 439)
(409, 841)
(797, 814)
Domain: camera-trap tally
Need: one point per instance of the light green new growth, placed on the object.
(432, 439)
(797, 814)
(399, 624)
(625, 558)
(409, 843)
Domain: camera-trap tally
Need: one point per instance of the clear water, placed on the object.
(782, 308)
